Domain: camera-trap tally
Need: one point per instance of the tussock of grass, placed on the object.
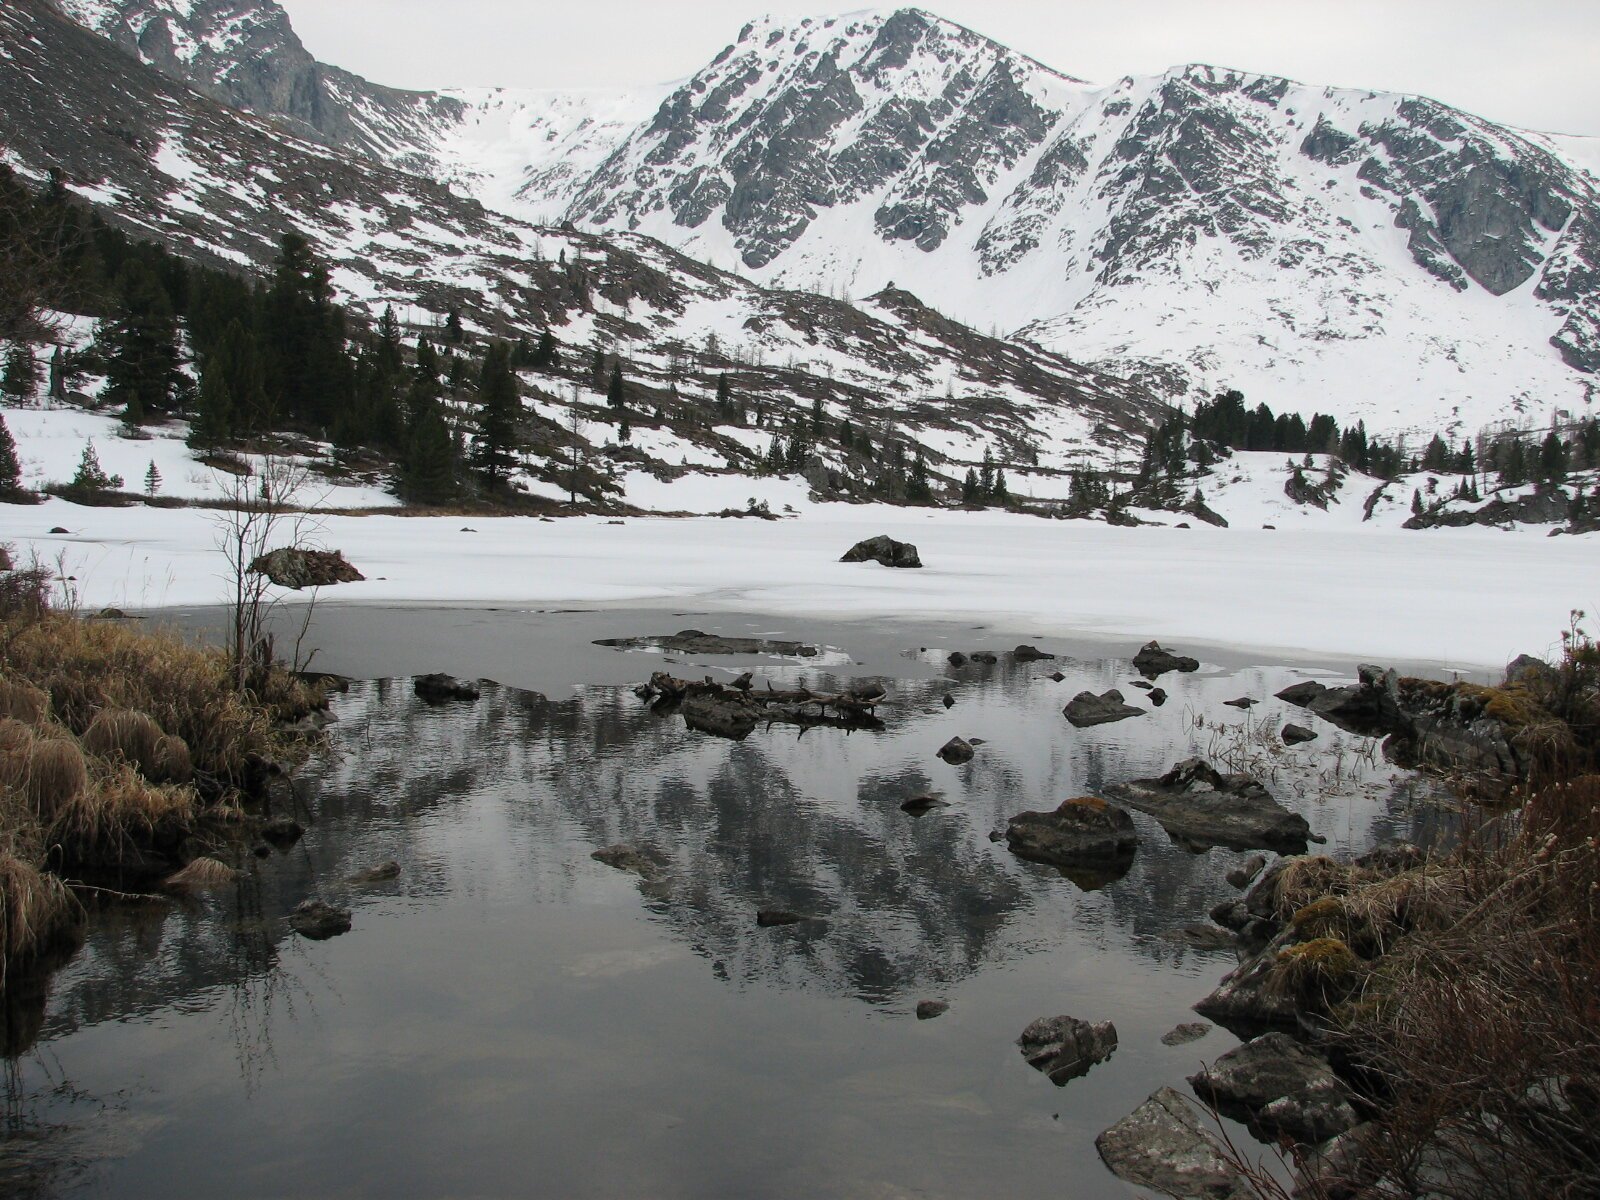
(121, 811)
(35, 910)
(201, 875)
(90, 667)
(1309, 878)
(1317, 971)
(23, 702)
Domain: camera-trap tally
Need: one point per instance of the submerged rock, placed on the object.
(1086, 709)
(384, 872)
(1279, 1086)
(319, 921)
(438, 688)
(768, 918)
(1189, 1031)
(628, 858)
(1065, 1047)
(1085, 831)
(1152, 661)
(919, 805)
(283, 832)
(956, 751)
(1161, 1146)
(1200, 807)
(883, 549)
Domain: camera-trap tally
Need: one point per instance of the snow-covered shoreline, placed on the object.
(1467, 598)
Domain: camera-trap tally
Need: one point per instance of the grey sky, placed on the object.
(1534, 64)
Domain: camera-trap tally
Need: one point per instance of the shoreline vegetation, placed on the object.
(127, 759)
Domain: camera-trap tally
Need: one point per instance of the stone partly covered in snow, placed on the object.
(883, 549)
(1161, 1146)
(1152, 661)
(1086, 709)
(1065, 1047)
(1082, 832)
(1279, 1086)
(438, 688)
(294, 568)
(1201, 807)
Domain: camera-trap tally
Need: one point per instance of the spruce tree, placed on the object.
(91, 478)
(140, 345)
(1552, 459)
(10, 468)
(21, 378)
(428, 468)
(494, 451)
(308, 371)
(724, 396)
(152, 479)
(453, 333)
(544, 354)
(616, 390)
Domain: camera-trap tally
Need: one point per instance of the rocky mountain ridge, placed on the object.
(1376, 256)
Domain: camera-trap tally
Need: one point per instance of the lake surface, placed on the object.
(511, 1017)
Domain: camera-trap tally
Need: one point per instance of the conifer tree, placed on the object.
(140, 345)
(999, 493)
(91, 478)
(544, 354)
(214, 421)
(1552, 459)
(21, 378)
(616, 390)
(724, 395)
(308, 371)
(428, 468)
(152, 479)
(453, 332)
(494, 450)
(10, 468)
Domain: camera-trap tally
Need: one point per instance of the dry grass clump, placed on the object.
(1317, 972)
(91, 667)
(202, 874)
(1309, 878)
(23, 702)
(35, 910)
(120, 812)
(45, 773)
(123, 733)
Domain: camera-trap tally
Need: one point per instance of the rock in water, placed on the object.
(949, 700)
(382, 873)
(295, 568)
(956, 751)
(883, 549)
(1201, 807)
(1189, 1031)
(628, 858)
(1300, 693)
(1240, 702)
(929, 1009)
(1295, 735)
(1158, 696)
(725, 716)
(919, 805)
(1086, 709)
(1085, 831)
(1153, 661)
(1028, 654)
(1245, 873)
(318, 921)
(1065, 1047)
(438, 688)
(1281, 1087)
(1161, 1146)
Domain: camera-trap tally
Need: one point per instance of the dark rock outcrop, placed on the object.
(927, 1010)
(956, 751)
(693, 641)
(1152, 661)
(1201, 807)
(1065, 1047)
(1085, 831)
(1086, 709)
(1297, 735)
(438, 688)
(319, 921)
(1279, 1086)
(883, 549)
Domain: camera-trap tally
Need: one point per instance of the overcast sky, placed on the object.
(1534, 64)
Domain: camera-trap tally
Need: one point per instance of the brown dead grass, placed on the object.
(203, 874)
(23, 702)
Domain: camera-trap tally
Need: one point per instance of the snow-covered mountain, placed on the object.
(225, 185)
(1367, 254)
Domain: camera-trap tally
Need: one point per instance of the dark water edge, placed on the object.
(512, 1018)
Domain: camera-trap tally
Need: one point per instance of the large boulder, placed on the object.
(296, 568)
(1201, 807)
(1161, 1146)
(883, 549)
(1280, 1087)
(438, 688)
(1085, 831)
(1086, 709)
(1152, 661)
(722, 715)
(1065, 1047)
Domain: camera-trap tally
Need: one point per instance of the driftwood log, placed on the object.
(732, 710)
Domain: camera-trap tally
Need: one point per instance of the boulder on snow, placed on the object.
(883, 549)
(295, 568)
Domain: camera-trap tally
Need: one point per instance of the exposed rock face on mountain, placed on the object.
(1312, 246)
(226, 185)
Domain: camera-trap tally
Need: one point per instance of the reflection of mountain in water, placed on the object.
(808, 822)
